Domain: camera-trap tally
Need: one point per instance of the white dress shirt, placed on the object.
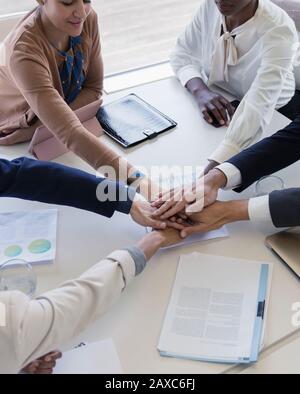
(258, 67)
(30, 329)
(258, 208)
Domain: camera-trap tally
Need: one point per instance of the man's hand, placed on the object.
(142, 213)
(43, 365)
(191, 198)
(215, 104)
(216, 215)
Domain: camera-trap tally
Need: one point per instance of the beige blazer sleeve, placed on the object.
(35, 327)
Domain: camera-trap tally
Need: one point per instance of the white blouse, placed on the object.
(258, 67)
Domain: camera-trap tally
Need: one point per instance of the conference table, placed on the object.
(135, 321)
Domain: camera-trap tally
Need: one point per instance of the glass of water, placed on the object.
(268, 184)
(18, 275)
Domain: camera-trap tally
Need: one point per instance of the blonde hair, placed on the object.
(41, 2)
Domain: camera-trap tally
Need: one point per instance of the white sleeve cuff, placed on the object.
(224, 152)
(233, 175)
(259, 209)
(187, 73)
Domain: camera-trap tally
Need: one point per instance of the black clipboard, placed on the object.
(131, 120)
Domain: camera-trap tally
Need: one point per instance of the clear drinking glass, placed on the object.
(268, 184)
(18, 275)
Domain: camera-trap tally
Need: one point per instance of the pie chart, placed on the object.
(13, 251)
(39, 246)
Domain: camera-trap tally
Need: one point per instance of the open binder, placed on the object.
(217, 310)
(130, 120)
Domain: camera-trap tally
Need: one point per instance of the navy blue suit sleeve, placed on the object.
(269, 155)
(57, 184)
(285, 207)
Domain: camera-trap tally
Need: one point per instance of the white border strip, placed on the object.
(124, 80)
(14, 15)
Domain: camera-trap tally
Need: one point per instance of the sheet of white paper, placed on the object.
(212, 310)
(90, 358)
(199, 237)
(29, 236)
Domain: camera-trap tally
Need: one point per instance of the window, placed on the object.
(9, 7)
(135, 33)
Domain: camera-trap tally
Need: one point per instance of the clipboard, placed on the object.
(131, 120)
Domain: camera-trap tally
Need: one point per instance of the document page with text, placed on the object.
(212, 312)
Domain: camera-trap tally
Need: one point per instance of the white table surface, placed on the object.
(284, 360)
(135, 321)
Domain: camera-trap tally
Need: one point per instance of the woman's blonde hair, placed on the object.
(41, 2)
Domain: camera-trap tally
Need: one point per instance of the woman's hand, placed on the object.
(211, 103)
(191, 198)
(43, 365)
